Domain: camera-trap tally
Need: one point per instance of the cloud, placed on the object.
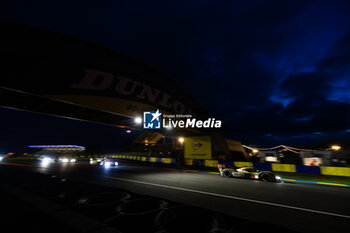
(318, 101)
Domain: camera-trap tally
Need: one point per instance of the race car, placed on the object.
(53, 159)
(104, 162)
(46, 160)
(248, 173)
(66, 160)
(96, 161)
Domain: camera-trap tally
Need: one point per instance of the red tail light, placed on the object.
(221, 166)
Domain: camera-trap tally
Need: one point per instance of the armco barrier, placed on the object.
(324, 170)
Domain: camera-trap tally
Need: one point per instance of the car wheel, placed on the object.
(227, 173)
(266, 177)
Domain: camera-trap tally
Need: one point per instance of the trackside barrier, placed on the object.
(167, 160)
(243, 164)
(189, 162)
(308, 169)
(324, 170)
(336, 171)
(263, 166)
(278, 167)
(211, 163)
(198, 162)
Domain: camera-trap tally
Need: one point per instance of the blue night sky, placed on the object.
(274, 71)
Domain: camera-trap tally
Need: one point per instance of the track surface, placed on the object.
(300, 207)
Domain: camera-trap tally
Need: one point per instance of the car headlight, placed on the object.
(47, 160)
(65, 160)
(116, 163)
(72, 160)
(1, 158)
(107, 164)
(278, 177)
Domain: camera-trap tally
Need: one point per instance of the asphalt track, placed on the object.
(300, 207)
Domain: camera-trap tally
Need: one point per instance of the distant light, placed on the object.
(72, 160)
(336, 147)
(181, 139)
(46, 160)
(255, 151)
(57, 146)
(138, 120)
(128, 131)
(1, 158)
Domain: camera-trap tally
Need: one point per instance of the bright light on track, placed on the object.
(138, 120)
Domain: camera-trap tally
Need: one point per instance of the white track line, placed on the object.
(230, 197)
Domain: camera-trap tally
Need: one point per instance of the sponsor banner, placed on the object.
(198, 147)
(283, 167)
(56, 64)
(243, 164)
(211, 163)
(188, 162)
(335, 171)
(167, 160)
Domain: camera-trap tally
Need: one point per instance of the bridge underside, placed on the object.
(58, 75)
(39, 104)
